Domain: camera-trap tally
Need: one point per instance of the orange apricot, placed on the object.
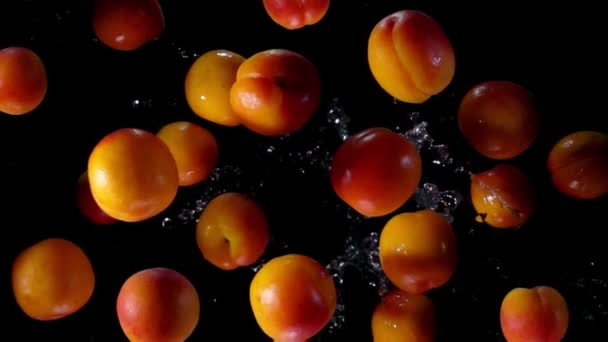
(23, 81)
(293, 297)
(295, 14)
(578, 164)
(376, 171)
(52, 279)
(534, 315)
(410, 56)
(276, 92)
(232, 231)
(418, 251)
(502, 196)
(133, 175)
(87, 205)
(404, 317)
(158, 304)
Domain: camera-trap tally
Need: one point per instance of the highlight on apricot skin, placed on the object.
(404, 317)
(578, 164)
(410, 56)
(23, 81)
(536, 314)
(418, 251)
(87, 205)
(296, 14)
(503, 196)
(499, 119)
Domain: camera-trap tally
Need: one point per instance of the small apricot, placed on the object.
(296, 14)
(404, 317)
(23, 81)
(87, 205)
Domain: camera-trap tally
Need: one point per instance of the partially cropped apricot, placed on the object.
(498, 119)
(578, 164)
(503, 196)
(23, 81)
(404, 317)
(418, 251)
(276, 92)
(536, 314)
(127, 25)
(158, 304)
(295, 14)
(133, 175)
(410, 56)
(232, 231)
(293, 297)
(376, 171)
(87, 205)
(52, 279)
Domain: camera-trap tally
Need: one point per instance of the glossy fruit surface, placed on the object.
(295, 14)
(404, 317)
(23, 81)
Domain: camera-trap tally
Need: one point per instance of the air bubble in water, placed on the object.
(141, 103)
(445, 202)
(337, 118)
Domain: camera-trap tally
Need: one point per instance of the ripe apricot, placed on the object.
(295, 14)
(404, 317)
(276, 92)
(293, 297)
(158, 304)
(23, 81)
(127, 25)
(194, 149)
(410, 56)
(133, 175)
(502, 196)
(578, 164)
(376, 171)
(418, 251)
(52, 279)
(87, 205)
(498, 119)
(208, 84)
(536, 314)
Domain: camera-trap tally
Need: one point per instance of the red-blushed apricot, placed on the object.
(418, 251)
(232, 231)
(404, 317)
(208, 84)
(23, 81)
(133, 175)
(293, 297)
(194, 148)
(52, 279)
(503, 196)
(158, 304)
(87, 205)
(127, 25)
(539, 314)
(410, 56)
(376, 171)
(276, 92)
(578, 164)
(498, 119)
(295, 14)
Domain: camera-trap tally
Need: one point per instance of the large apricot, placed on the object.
(87, 205)
(404, 317)
(295, 14)
(23, 81)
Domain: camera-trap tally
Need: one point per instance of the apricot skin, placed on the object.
(539, 314)
(87, 205)
(296, 14)
(403, 317)
(293, 297)
(578, 164)
(418, 251)
(23, 81)
(410, 56)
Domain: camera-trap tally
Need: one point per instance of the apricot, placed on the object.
(404, 317)
(127, 25)
(503, 196)
(498, 119)
(418, 251)
(52, 279)
(194, 149)
(578, 164)
(133, 175)
(276, 92)
(23, 81)
(539, 314)
(232, 231)
(410, 56)
(87, 205)
(293, 297)
(158, 304)
(295, 14)
(376, 171)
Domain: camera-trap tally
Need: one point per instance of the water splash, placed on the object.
(445, 202)
(337, 118)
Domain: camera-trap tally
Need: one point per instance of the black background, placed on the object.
(554, 51)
